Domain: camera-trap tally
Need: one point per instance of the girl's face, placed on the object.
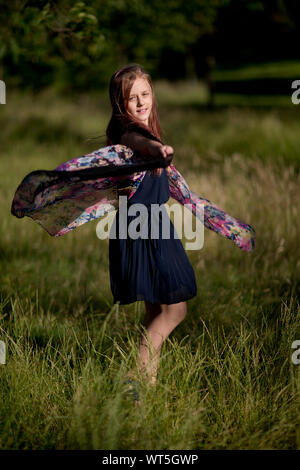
(140, 100)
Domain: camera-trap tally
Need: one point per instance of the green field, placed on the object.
(226, 379)
(278, 69)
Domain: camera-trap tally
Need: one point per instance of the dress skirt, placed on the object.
(148, 261)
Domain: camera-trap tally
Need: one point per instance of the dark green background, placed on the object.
(78, 45)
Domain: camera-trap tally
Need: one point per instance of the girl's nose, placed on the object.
(139, 101)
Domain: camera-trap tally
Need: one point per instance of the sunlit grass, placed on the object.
(281, 69)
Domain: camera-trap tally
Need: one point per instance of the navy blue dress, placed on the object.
(150, 267)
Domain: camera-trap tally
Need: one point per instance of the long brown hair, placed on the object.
(121, 121)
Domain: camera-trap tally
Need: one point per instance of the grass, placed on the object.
(282, 69)
(226, 379)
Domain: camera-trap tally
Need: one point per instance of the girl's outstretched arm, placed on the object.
(144, 146)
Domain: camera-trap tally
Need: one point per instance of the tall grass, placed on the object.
(226, 379)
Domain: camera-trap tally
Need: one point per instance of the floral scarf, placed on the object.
(89, 186)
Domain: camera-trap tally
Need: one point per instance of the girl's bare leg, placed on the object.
(160, 320)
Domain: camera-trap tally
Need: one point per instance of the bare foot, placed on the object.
(153, 380)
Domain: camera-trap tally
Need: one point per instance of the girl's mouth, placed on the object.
(141, 111)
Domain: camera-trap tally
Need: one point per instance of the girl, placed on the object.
(156, 271)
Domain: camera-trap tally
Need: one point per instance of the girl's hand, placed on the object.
(166, 150)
